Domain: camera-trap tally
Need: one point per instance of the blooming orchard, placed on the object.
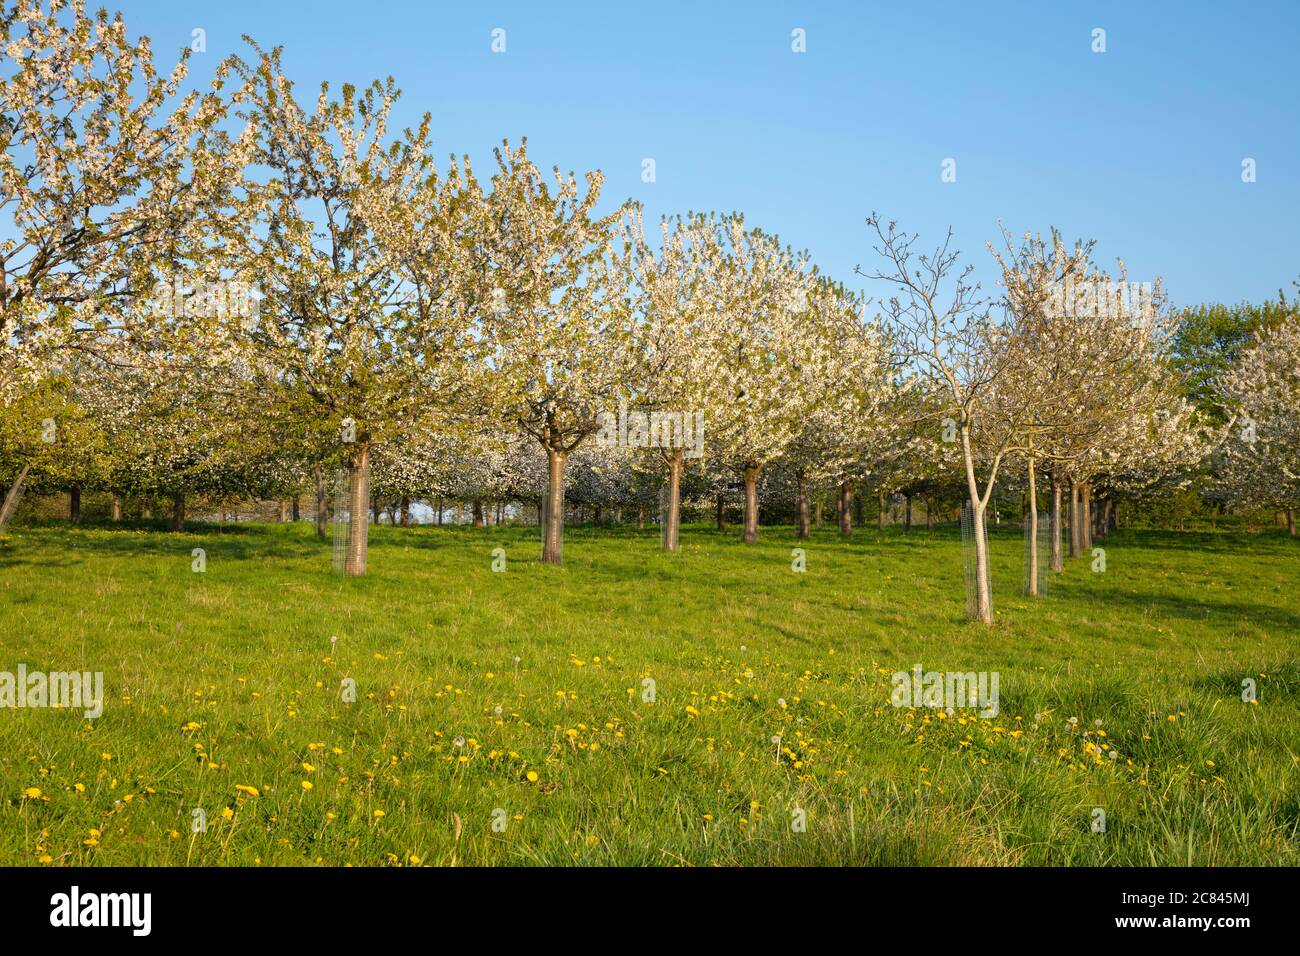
(233, 292)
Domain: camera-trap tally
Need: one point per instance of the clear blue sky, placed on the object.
(1139, 147)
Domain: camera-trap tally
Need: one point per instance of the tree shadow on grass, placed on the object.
(1185, 607)
(1273, 680)
(40, 545)
(1259, 544)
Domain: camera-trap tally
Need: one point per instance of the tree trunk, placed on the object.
(983, 595)
(1057, 563)
(1085, 514)
(983, 599)
(598, 515)
(722, 513)
(857, 509)
(295, 508)
(802, 484)
(358, 552)
(553, 537)
(283, 511)
(406, 512)
(178, 512)
(437, 518)
(12, 495)
(673, 506)
(74, 504)
(880, 516)
(320, 503)
(640, 517)
(846, 507)
(478, 514)
(1290, 522)
(751, 473)
(1076, 533)
(907, 512)
(116, 511)
(929, 514)
(1033, 530)
(818, 512)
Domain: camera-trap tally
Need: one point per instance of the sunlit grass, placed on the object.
(518, 698)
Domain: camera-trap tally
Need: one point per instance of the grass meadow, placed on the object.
(501, 719)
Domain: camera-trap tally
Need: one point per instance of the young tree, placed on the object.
(1060, 357)
(104, 163)
(347, 343)
(668, 288)
(953, 343)
(1105, 393)
(1259, 461)
(556, 313)
(846, 423)
(766, 364)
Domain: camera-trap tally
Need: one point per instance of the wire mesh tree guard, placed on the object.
(341, 517)
(970, 562)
